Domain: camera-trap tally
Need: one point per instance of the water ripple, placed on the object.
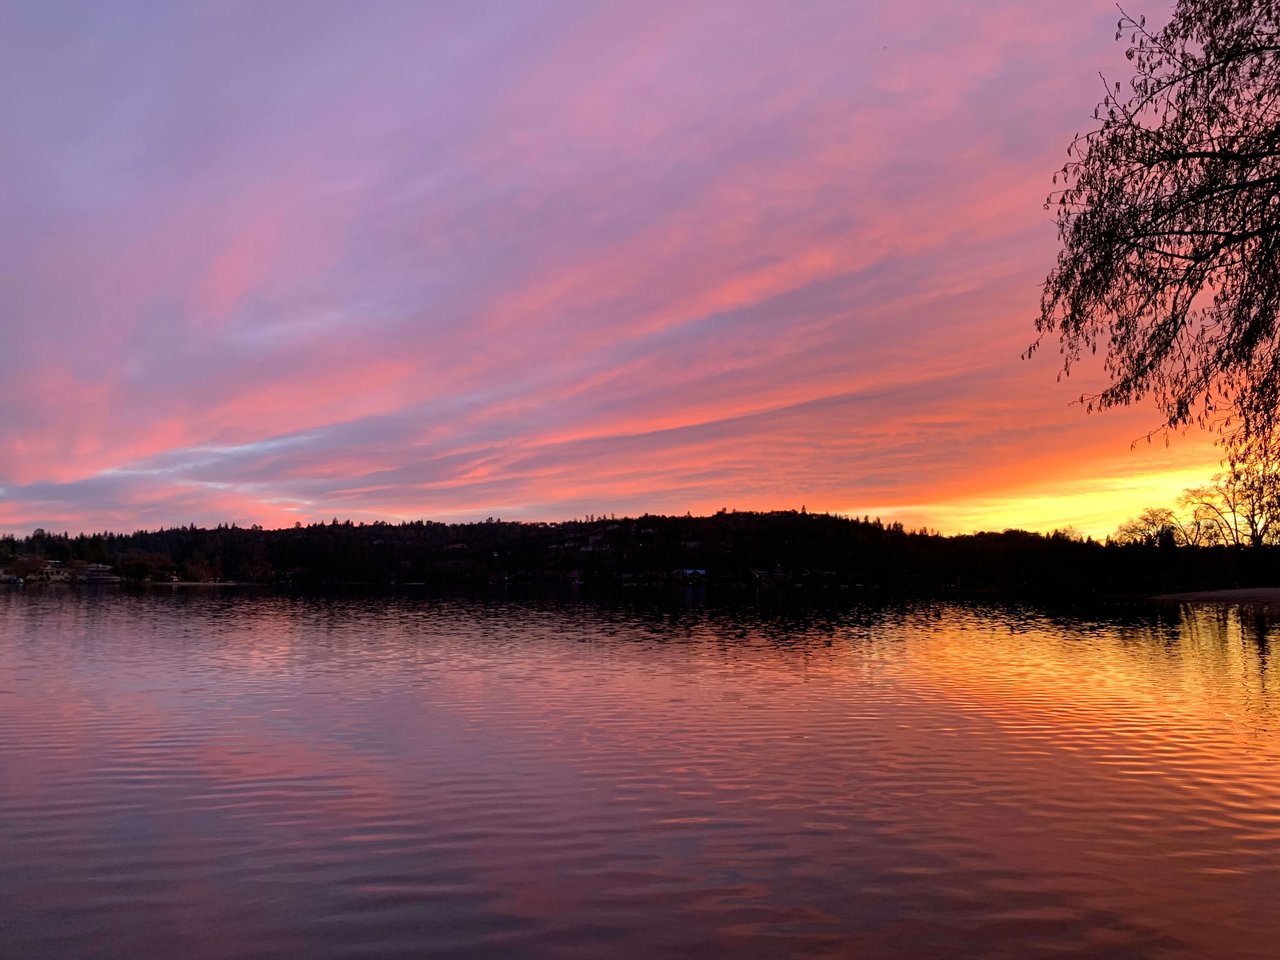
(252, 777)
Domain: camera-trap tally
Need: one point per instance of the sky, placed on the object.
(537, 259)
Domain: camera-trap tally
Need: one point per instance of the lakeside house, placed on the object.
(98, 573)
(52, 571)
(28, 569)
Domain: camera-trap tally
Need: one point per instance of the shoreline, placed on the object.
(1262, 595)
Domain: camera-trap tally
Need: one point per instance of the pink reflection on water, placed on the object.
(539, 781)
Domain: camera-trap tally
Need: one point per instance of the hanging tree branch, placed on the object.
(1169, 219)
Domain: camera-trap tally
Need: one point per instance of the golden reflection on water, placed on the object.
(1141, 758)
(1202, 663)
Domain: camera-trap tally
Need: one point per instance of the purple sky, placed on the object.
(267, 262)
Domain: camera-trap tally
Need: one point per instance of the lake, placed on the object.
(215, 775)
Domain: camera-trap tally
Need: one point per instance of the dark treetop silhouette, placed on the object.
(1169, 219)
(775, 551)
(1239, 506)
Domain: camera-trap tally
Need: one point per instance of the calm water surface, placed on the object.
(252, 777)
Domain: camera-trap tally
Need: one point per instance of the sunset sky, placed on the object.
(271, 262)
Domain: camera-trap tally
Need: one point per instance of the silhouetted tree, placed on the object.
(1154, 526)
(1169, 219)
(1241, 505)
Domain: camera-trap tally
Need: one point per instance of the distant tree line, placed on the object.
(779, 550)
(1238, 507)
